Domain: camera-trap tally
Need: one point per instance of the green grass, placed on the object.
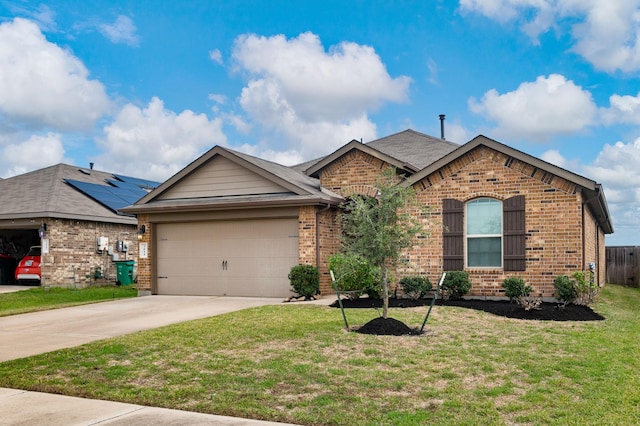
(295, 363)
(42, 298)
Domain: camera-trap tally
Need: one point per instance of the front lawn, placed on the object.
(45, 298)
(295, 363)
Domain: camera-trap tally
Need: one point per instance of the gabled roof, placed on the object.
(407, 150)
(46, 193)
(355, 145)
(593, 190)
(298, 189)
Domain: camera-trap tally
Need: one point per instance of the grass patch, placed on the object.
(295, 363)
(42, 298)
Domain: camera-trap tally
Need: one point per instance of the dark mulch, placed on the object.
(387, 327)
(547, 312)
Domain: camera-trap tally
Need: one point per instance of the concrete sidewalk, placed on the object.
(34, 408)
(39, 332)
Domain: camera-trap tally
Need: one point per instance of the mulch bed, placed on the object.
(547, 312)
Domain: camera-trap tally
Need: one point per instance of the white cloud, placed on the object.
(605, 33)
(608, 38)
(315, 100)
(456, 133)
(123, 30)
(237, 122)
(215, 56)
(42, 85)
(537, 110)
(623, 109)
(288, 158)
(217, 98)
(554, 157)
(616, 167)
(156, 142)
(34, 153)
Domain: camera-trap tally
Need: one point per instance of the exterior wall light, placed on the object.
(141, 231)
(42, 230)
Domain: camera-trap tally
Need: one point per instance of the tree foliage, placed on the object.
(380, 228)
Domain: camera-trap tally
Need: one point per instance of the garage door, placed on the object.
(233, 258)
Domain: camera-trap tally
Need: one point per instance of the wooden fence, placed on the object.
(623, 265)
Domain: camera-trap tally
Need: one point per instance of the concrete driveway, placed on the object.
(35, 333)
(39, 332)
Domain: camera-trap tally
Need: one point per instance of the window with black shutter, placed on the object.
(484, 246)
(453, 234)
(514, 234)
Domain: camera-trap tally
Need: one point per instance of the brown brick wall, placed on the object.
(73, 253)
(325, 233)
(354, 173)
(553, 215)
(145, 265)
(594, 246)
(553, 218)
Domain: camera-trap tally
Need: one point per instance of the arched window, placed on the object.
(483, 229)
(484, 232)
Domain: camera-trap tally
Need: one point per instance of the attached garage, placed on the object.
(227, 257)
(229, 224)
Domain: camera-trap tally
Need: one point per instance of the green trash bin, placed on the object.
(124, 272)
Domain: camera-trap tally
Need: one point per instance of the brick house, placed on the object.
(65, 209)
(233, 224)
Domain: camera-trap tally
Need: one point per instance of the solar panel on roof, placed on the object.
(142, 183)
(112, 197)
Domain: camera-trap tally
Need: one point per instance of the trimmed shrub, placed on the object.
(355, 275)
(305, 280)
(577, 289)
(415, 287)
(515, 288)
(565, 291)
(455, 285)
(518, 291)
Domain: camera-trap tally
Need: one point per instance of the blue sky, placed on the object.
(144, 88)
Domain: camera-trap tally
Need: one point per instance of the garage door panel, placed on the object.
(188, 286)
(235, 258)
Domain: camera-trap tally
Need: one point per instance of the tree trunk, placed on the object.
(385, 291)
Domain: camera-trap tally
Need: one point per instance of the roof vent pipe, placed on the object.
(91, 166)
(442, 126)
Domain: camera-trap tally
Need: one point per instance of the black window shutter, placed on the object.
(453, 235)
(514, 234)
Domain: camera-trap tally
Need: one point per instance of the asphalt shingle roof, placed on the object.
(413, 147)
(44, 193)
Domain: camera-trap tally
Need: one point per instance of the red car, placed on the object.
(28, 269)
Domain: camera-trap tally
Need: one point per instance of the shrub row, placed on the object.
(356, 276)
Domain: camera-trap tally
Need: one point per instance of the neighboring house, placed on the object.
(233, 224)
(72, 212)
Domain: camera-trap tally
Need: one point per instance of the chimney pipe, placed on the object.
(442, 126)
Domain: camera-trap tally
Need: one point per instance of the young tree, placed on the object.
(379, 228)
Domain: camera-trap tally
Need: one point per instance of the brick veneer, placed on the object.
(73, 255)
(145, 265)
(560, 239)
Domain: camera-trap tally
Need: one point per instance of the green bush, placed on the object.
(305, 280)
(355, 275)
(455, 285)
(564, 289)
(415, 287)
(515, 288)
(578, 289)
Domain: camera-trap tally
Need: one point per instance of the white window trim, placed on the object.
(500, 235)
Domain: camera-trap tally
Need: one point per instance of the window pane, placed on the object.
(484, 217)
(484, 252)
